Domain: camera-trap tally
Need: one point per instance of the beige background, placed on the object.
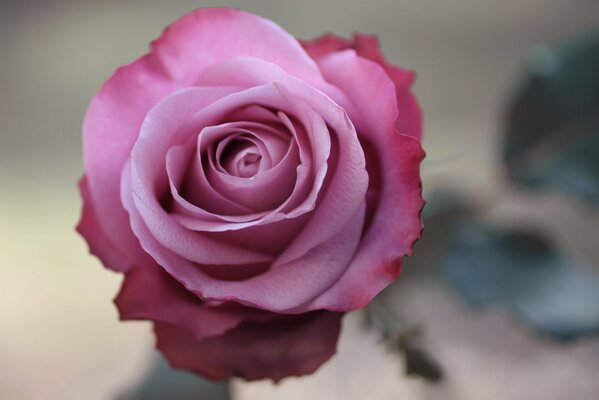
(59, 335)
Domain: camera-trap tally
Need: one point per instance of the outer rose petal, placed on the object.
(409, 120)
(390, 236)
(110, 128)
(148, 292)
(208, 36)
(99, 244)
(396, 223)
(287, 345)
(325, 45)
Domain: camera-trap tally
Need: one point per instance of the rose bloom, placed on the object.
(251, 188)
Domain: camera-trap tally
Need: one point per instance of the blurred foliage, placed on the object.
(402, 339)
(556, 295)
(419, 362)
(164, 383)
(552, 128)
(551, 142)
(444, 209)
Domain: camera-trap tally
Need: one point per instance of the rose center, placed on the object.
(241, 158)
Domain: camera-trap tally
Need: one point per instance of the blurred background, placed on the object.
(59, 333)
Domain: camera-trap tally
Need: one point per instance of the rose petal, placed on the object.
(150, 293)
(368, 46)
(267, 236)
(110, 128)
(376, 112)
(409, 120)
(281, 347)
(208, 36)
(325, 44)
(396, 224)
(99, 244)
(289, 286)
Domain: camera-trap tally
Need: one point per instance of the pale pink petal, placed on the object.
(312, 160)
(270, 236)
(281, 347)
(368, 46)
(373, 96)
(288, 287)
(210, 35)
(409, 119)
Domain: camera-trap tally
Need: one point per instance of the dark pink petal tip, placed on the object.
(98, 243)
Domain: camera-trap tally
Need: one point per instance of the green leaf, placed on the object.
(522, 271)
(551, 136)
(164, 383)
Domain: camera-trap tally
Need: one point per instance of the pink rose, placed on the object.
(251, 188)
